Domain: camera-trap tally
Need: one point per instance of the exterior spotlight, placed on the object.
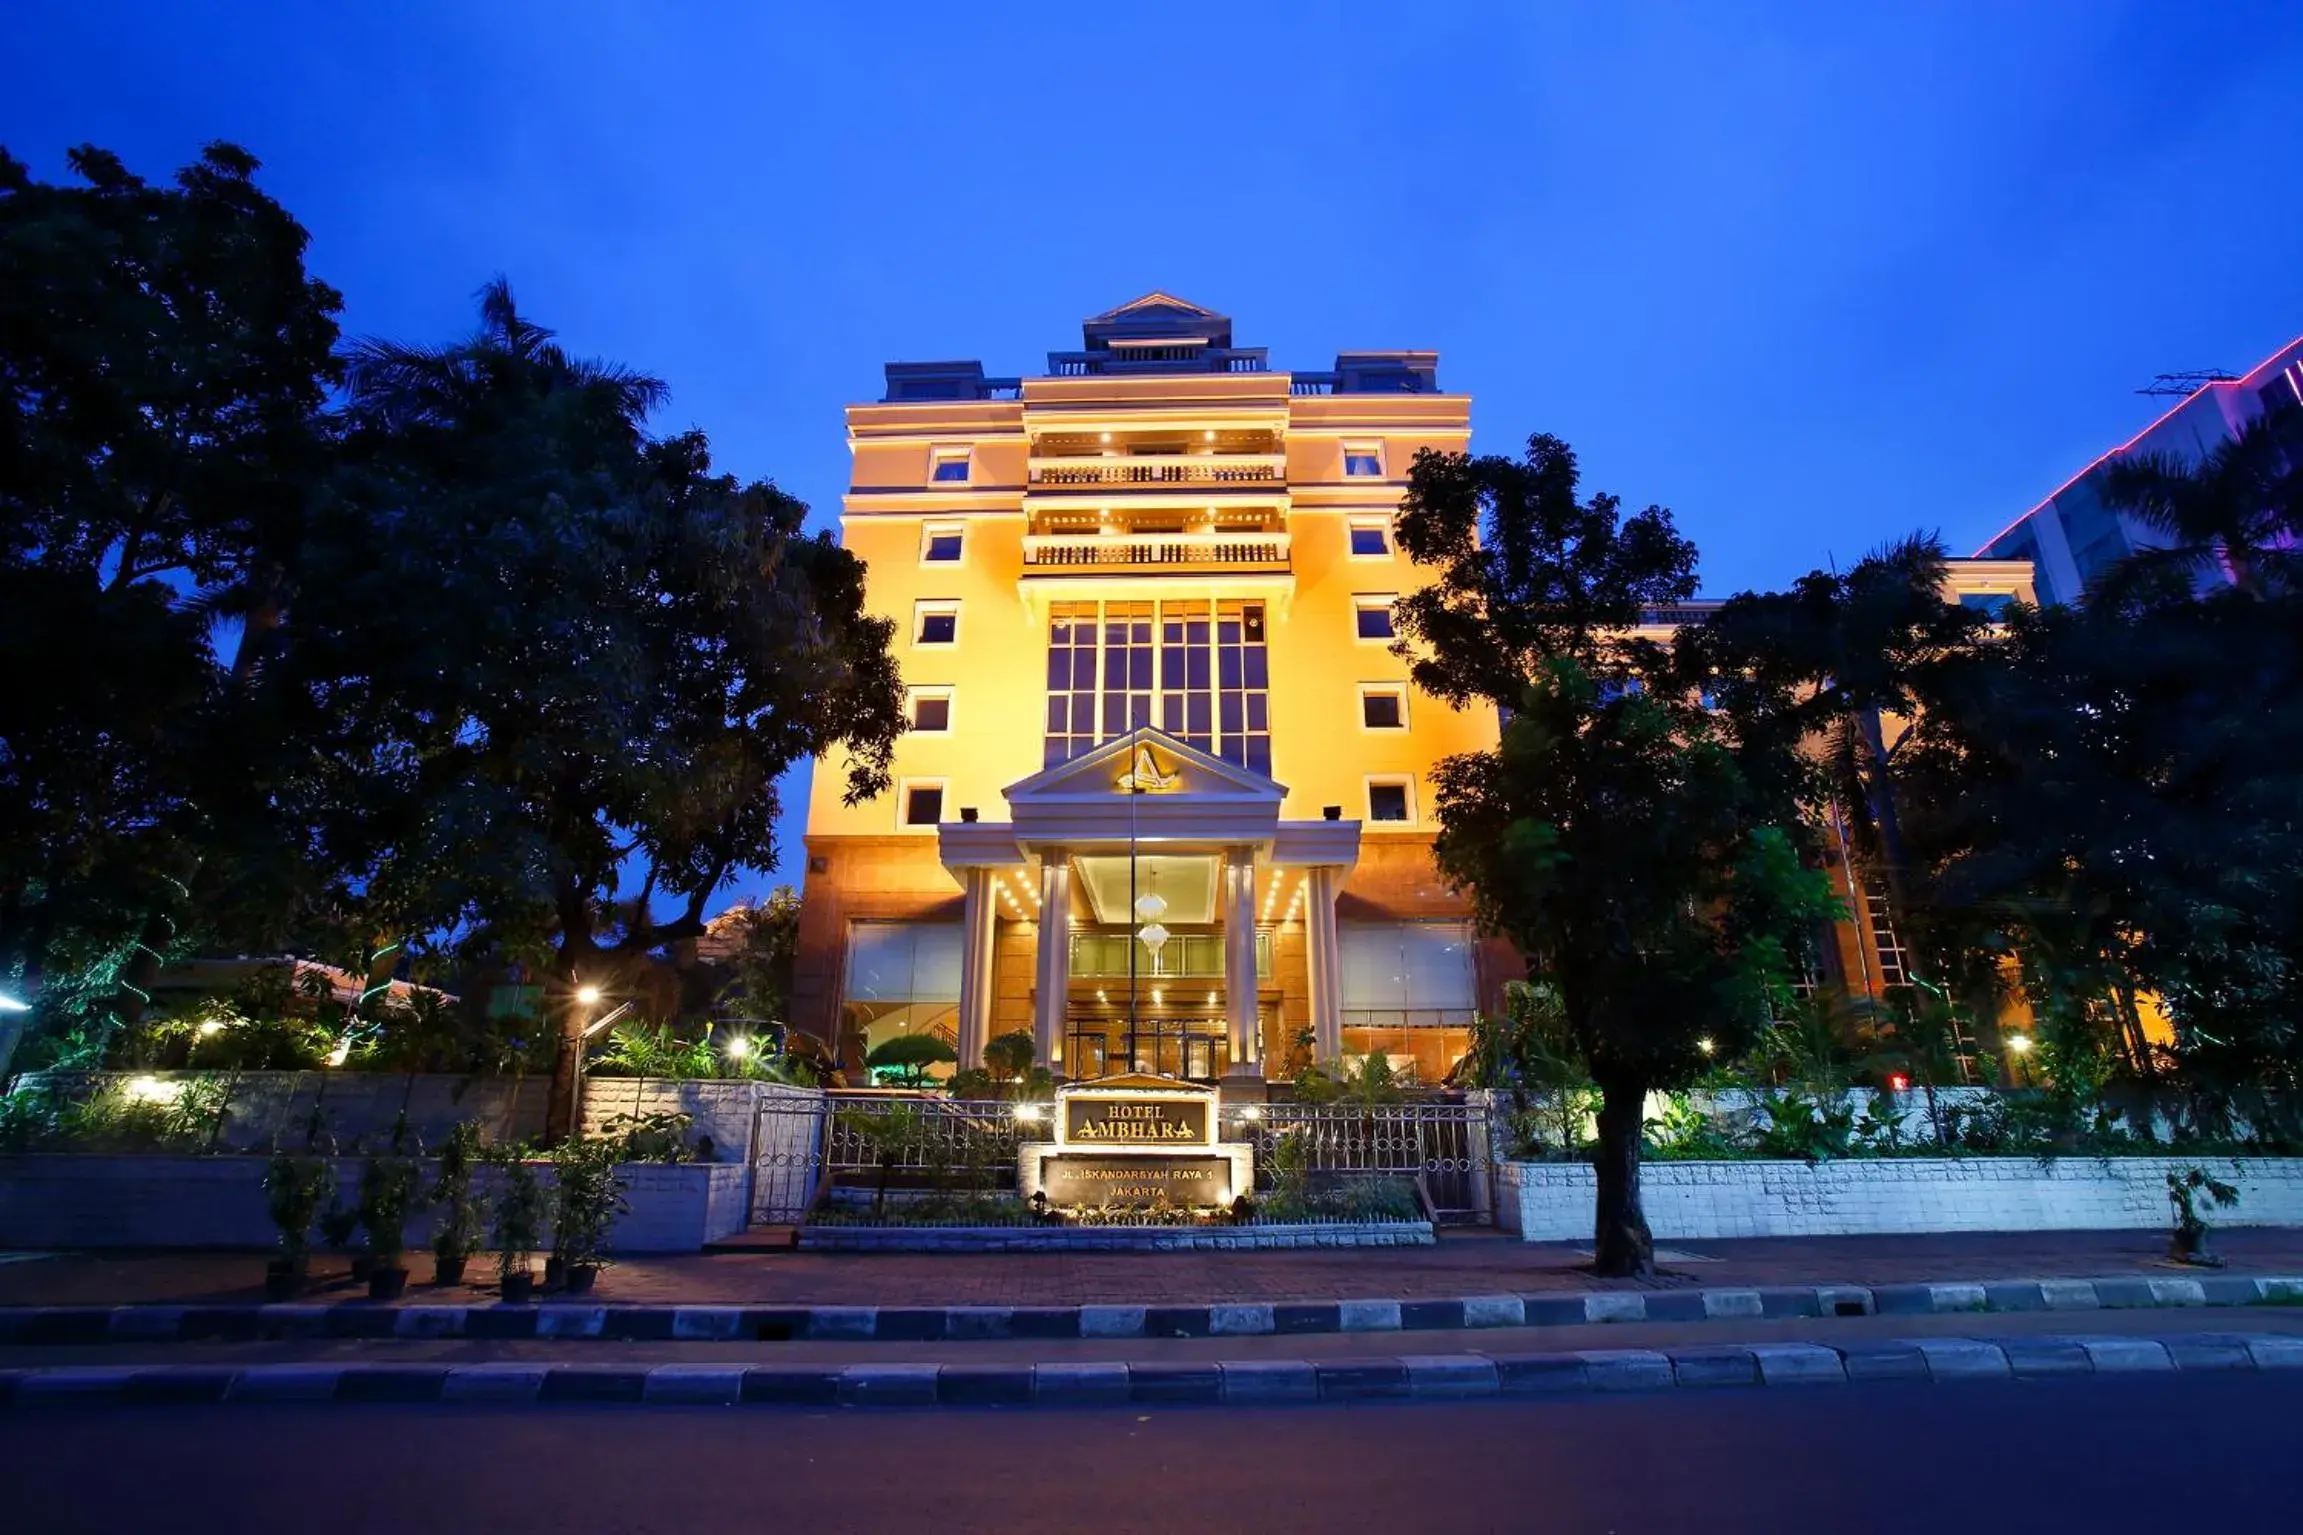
(587, 995)
(968, 814)
(212, 1026)
(1705, 1045)
(342, 1052)
(153, 1090)
(10, 1004)
(1331, 812)
(1027, 1113)
(738, 1048)
(2019, 1043)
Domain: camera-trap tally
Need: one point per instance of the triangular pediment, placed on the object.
(1163, 766)
(1155, 305)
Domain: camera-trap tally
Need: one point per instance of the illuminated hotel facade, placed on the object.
(1143, 614)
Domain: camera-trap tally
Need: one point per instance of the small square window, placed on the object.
(1373, 616)
(1370, 541)
(1387, 801)
(923, 804)
(931, 710)
(942, 543)
(936, 623)
(948, 465)
(1383, 708)
(1363, 460)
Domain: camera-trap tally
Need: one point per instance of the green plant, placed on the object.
(589, 1197)
(907, 1057)
(520, 1210)
(454, 1190)
(391, 1189)
(1806, 1128)
(2186, 1192)
(636, 1050)
(658, 1136)
(1687, 1133)
(293, 1190)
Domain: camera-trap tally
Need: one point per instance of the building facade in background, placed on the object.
(2071, 537)
(1165, 801)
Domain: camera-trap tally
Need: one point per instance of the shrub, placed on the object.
(589, 1198)
(458, 1231)
(391, 1189)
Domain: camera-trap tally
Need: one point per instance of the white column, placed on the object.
(1239, 989)
(1054, 984)
(976, 966)
(1326, 964)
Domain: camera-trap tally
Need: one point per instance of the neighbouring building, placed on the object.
(2071, 537)
(1165, 800)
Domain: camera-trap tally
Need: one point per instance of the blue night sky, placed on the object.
(1811, 276)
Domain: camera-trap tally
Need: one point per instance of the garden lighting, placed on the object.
(2019, 1043)
(588, 995)
(10, 1004)
(737, 1048)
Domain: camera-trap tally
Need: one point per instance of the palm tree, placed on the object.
(2241, 506)
(508, 360)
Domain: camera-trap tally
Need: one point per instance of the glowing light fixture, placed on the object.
(737, 1048)
(1027, 1113)
(1154, 938)
(342, 1052)
(153, 1090)
(212, 1027)
(587, 995)
(2019, 1043)
(1705, 1045)
(10, 1004)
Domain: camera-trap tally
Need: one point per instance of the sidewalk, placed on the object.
(1463, 1264)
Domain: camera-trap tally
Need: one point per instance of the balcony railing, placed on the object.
(1265, 550)
(1178, 357)
(1099, 956)
(1162, 469)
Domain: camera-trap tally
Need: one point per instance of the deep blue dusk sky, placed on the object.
(1810, 275)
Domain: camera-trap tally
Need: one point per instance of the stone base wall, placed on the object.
(1552, 1202)
(85, 1201)
(978, 1239)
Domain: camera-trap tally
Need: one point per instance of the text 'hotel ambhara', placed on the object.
(1143, 607)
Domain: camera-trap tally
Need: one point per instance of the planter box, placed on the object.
(68, 1201)
(1552, 1201)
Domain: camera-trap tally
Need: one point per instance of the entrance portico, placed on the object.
(1144, 814)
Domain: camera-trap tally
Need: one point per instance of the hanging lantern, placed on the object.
(1154, 938)
(1151, 907)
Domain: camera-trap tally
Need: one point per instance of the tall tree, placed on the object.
(164, 361)
(1636, 846)
(1850, 646)
(2240, 506)
(582, 659)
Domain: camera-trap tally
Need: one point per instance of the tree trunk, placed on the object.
(1621, 1245)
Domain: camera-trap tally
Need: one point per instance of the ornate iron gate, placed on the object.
(1443, 1146)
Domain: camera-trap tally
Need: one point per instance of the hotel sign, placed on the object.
(1195, 1182)
(1167, 1120)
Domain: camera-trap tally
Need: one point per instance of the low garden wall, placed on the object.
(78, 1200)
(1552, 1201)
(266, 1109)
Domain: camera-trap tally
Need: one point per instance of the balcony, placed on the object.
(1247, 550)
(1211, 469)
(1178, 355)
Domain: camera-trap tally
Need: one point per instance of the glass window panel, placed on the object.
(1228, 667)
(924, 805)
(1387, 802)
(1258, 675)
(939, 628)
(1369, 541)
(931, 713)
(1375, 622)
(1233, 716)
(943, 548)
(1380, 711)
(1195, 669)
(1196, 714)
(1259, 754)
(1258, 707)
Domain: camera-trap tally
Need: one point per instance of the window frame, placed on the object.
(1377, 524)
(960, 453)
(935, 607)
(914, 695)
(1363, 602)
(1363, 447)
(1404, 782)
(940, 528)
(1392, 690)
(904, 790)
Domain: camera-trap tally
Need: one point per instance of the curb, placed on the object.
(934, 1324)
(1263, 1383)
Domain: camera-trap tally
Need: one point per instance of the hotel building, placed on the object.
(1165, 800)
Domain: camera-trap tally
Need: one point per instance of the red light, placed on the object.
(1898, 1082)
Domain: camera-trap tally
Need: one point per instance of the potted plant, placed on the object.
(519, 1225)
(293, 1189)
(458, 1230)
(338, 1223)
(2186, 1191)
(590, 1197)
(391, 1190)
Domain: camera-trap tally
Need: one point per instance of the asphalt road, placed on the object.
(2201, 1453)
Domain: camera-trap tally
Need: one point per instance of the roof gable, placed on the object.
(1161, 765)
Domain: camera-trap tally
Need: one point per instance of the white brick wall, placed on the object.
(1552, 1201)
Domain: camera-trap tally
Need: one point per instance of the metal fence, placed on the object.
(802, 1148)
(1442, 1145)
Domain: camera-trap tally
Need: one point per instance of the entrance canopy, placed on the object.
(1148, 791)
